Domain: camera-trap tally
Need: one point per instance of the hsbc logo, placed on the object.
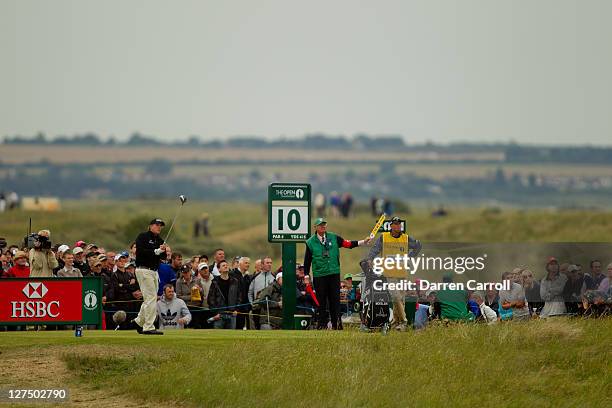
(37, 309)
(35, 290)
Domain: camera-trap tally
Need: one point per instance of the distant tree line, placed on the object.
(580, 154)
(513, 153)
(309, 141)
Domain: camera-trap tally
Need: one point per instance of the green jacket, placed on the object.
(325, 260)
(453, 305)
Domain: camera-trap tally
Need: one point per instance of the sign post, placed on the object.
(288, 222)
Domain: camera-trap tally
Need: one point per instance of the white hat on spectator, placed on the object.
(278, 276)
(77, 250)
(63, 248)
(120, 255)
(202, 265)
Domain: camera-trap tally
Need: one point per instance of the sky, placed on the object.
(528, 71)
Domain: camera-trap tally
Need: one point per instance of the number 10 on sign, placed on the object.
(290, 220)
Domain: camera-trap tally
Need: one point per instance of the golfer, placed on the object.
(323, 254)
(150, 250)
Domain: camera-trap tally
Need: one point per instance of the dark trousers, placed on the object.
(328, 291)
(242, 320)
(196, 317)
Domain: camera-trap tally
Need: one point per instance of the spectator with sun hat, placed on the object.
(20, 268)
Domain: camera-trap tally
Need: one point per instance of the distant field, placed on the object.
(241, 228)
(348, 162)
(555, 363)
(76, 154)
(435, 171)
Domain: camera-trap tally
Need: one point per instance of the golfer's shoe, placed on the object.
(138, 328)
(364, 329)
(401, 327)
(153, 332)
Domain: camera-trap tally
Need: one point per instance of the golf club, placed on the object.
(182, 199)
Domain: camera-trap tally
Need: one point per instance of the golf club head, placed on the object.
(183, 199)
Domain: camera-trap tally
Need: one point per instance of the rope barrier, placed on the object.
(312, 309)
(200, 309)
(228, 313)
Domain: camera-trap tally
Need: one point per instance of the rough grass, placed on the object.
(561, 363)
(241, 228)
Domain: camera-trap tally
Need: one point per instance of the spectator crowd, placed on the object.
(195, 292)
(242, 293)
(563, 289)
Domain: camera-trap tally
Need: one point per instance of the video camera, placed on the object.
(37, 241)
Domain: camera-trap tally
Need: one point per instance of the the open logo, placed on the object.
(90, 300)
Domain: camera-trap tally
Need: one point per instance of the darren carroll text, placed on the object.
(425, 285)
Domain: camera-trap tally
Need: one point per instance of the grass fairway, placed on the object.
(555, 363)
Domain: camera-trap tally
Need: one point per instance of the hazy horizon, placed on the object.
(443, 71)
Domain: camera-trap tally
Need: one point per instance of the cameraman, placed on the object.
(42, 259)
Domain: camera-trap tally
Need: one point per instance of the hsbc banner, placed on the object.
(51, 301)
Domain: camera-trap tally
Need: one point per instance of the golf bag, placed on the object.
(375, 309)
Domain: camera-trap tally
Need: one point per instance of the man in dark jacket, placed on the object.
(150, 250)
(241, 274)
(126, 292)
(107, 289)
(224, 293)
(79, 261)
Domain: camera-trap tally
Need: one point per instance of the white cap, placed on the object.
(77, 250)
(278, 276)
(119, 256)
(202, 265)
(63, 248)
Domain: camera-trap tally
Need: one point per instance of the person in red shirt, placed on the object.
(20, 268)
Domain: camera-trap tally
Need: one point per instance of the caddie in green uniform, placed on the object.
(323, 254)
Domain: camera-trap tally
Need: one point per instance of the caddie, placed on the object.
(390, 244)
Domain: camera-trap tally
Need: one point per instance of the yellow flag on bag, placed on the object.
(379, 224)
